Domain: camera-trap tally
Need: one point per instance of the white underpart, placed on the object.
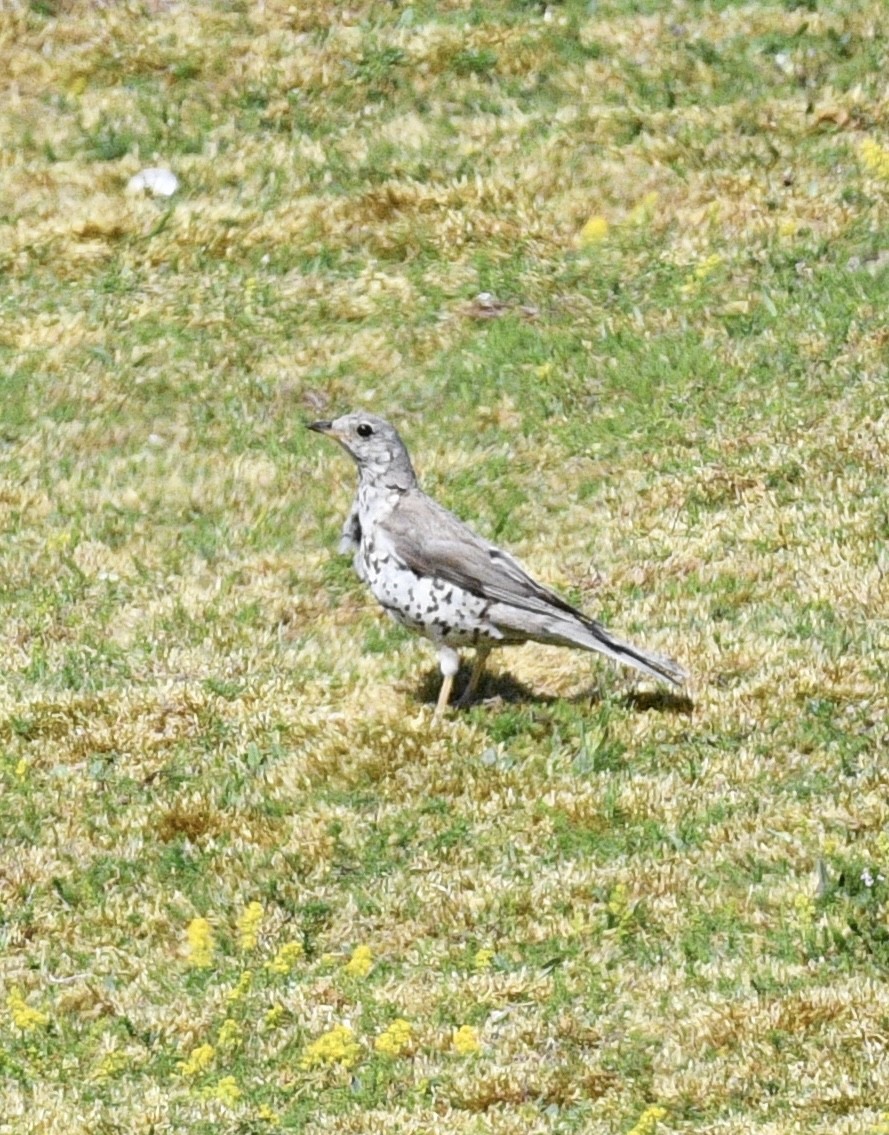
(442, 612)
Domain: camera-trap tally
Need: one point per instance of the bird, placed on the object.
(438, 577)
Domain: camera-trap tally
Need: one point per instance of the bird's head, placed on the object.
(375, 447)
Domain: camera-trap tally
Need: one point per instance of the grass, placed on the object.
(237, 852)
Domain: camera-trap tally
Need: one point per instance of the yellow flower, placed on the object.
(482, 959)
(701, 272)
(708, 266)
(874, 157)
(200, 943)
(230, 1033)
(594, 231)
(237, 992)
(110, 1064)
(23, 1016)
(200, 1059)
(286, 958)
(465, 1040)
(21, 769)
(618, 906)
(274, 1016)
(266, 1114)
(338, 1046)
(395, 1039)
(643, 211)
(248, 926)
(361, 962)
(648, 1120)
(805, 909)
(226, 1090)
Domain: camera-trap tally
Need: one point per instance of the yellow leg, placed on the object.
(449, 662)
(444, 695)
(478, 668)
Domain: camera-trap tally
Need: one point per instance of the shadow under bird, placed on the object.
(436, 576)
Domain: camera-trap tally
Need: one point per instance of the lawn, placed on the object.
(619, 273)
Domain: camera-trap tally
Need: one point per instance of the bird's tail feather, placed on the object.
(574, 629)
(590, 635)
(648, 661)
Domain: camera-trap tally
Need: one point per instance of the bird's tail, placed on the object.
(648, 661)
(572, 628)
(590, 635)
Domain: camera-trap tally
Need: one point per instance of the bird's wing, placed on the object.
(350, 534)
(432, 541)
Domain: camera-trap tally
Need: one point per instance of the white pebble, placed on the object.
(158, 182)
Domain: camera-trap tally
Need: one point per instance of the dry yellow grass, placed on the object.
(675, 409)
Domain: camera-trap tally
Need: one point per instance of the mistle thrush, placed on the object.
(434, 575)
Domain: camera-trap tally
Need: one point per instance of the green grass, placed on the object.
(653, 913)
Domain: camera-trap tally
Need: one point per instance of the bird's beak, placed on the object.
(320, 427)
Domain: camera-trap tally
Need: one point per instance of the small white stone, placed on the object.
(158, 182)
(784, 62)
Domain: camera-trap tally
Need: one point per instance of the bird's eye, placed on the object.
(364, 430)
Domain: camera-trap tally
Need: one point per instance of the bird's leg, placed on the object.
(478, 668)
(449, 662)
(444, 695)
